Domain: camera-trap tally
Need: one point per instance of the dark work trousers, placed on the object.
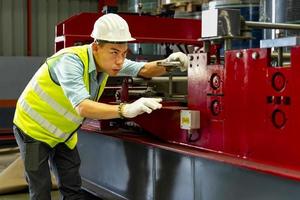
(64, 163)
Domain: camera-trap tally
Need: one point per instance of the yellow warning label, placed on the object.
(185, 120)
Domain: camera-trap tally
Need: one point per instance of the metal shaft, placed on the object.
(267, 25)
(161, 79)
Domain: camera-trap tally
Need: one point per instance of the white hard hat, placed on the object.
(112, 28)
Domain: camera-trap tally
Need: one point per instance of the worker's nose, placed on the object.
(120, 60)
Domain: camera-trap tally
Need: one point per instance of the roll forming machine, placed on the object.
(234, 135)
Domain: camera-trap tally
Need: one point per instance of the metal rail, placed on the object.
(268, 25)
(161, 79)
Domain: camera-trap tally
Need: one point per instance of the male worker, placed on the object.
(63, 92)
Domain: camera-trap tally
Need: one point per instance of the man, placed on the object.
(63, 92)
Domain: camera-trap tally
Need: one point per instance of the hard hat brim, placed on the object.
(116, 41)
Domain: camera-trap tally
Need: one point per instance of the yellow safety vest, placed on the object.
(43, 112)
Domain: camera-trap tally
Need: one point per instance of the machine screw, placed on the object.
(215, 107)
(239, 54)
(255, 55)
(215, 81)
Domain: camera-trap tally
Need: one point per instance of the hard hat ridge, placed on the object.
(112, 28)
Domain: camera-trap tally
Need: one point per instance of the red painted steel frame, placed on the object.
(6, 133)
(256, 124)
(146, 29)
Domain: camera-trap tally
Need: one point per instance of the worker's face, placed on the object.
(109, 57)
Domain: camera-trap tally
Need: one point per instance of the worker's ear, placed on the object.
(95, 46)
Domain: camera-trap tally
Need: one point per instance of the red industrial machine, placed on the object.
(248, 111)
(6, 109)
(241, 111)
(150, 29)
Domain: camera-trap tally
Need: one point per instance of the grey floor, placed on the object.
(23, 196)
(7, 156)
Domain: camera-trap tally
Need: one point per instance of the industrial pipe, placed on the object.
(267, 25)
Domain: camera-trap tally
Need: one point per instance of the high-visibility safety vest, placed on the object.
(43, 112)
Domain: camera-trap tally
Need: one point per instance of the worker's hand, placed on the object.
(140, 106)
(181, 57)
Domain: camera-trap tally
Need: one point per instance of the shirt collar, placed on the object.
(92, 65)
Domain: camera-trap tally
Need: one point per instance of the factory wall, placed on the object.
(17, 71)
(45, 15)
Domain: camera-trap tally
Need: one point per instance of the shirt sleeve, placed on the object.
(68, 72)
(131, 68)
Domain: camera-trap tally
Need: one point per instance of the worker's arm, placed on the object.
(95, 110)
(151, 69)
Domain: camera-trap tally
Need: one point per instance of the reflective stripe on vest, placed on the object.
(41, 120)
(56, 106)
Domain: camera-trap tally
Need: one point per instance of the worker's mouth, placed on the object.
(116, 70)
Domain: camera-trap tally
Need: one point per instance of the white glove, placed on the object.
(140, 106)
(181, 57)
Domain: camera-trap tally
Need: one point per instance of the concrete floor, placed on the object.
(24, 195)
(7, 156)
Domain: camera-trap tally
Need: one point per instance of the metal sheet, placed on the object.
(174, 177)
(164, 173)
(280, 42)
(117, 166)
(215, 180)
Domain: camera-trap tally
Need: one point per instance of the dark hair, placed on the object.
(102, 42)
